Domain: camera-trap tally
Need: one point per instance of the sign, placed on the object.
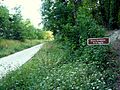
(98, 41)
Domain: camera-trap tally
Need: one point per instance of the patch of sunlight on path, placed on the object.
(14, 61)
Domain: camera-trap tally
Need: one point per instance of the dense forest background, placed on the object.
(75, 21)
(13, 26)
(57, 12)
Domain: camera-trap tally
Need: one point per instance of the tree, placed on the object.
(105, 12)
(58, 13)
(4, 21)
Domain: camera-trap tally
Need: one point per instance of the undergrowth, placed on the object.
(48, 70)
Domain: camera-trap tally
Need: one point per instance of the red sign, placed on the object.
(98, 41)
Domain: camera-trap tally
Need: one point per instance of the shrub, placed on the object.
(48, 35)
(76, 37)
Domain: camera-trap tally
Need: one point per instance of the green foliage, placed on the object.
(72, 64)
(4, 21)
(85, 28)
(12, 26)
(48, 35)
(105, 12)
(47, 71)
(74, 29)
(8, 47)
(57, 13)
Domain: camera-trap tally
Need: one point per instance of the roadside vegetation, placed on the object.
(17, 34)
(8, 47)
(51, 68)
(68, 63)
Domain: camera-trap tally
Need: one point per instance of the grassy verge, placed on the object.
(47, 71)
(8, 47)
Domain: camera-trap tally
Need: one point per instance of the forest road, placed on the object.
(14, 61)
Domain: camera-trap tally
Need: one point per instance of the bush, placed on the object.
(48, 35)
(75, 38)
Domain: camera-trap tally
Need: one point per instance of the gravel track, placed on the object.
(14, 61)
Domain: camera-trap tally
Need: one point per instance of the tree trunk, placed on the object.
(103, 12)
(114, 14)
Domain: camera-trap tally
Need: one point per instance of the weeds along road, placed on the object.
(12, 62)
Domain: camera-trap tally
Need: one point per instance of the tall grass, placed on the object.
(8, 47)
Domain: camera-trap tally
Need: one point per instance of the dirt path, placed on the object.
(12, 62)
